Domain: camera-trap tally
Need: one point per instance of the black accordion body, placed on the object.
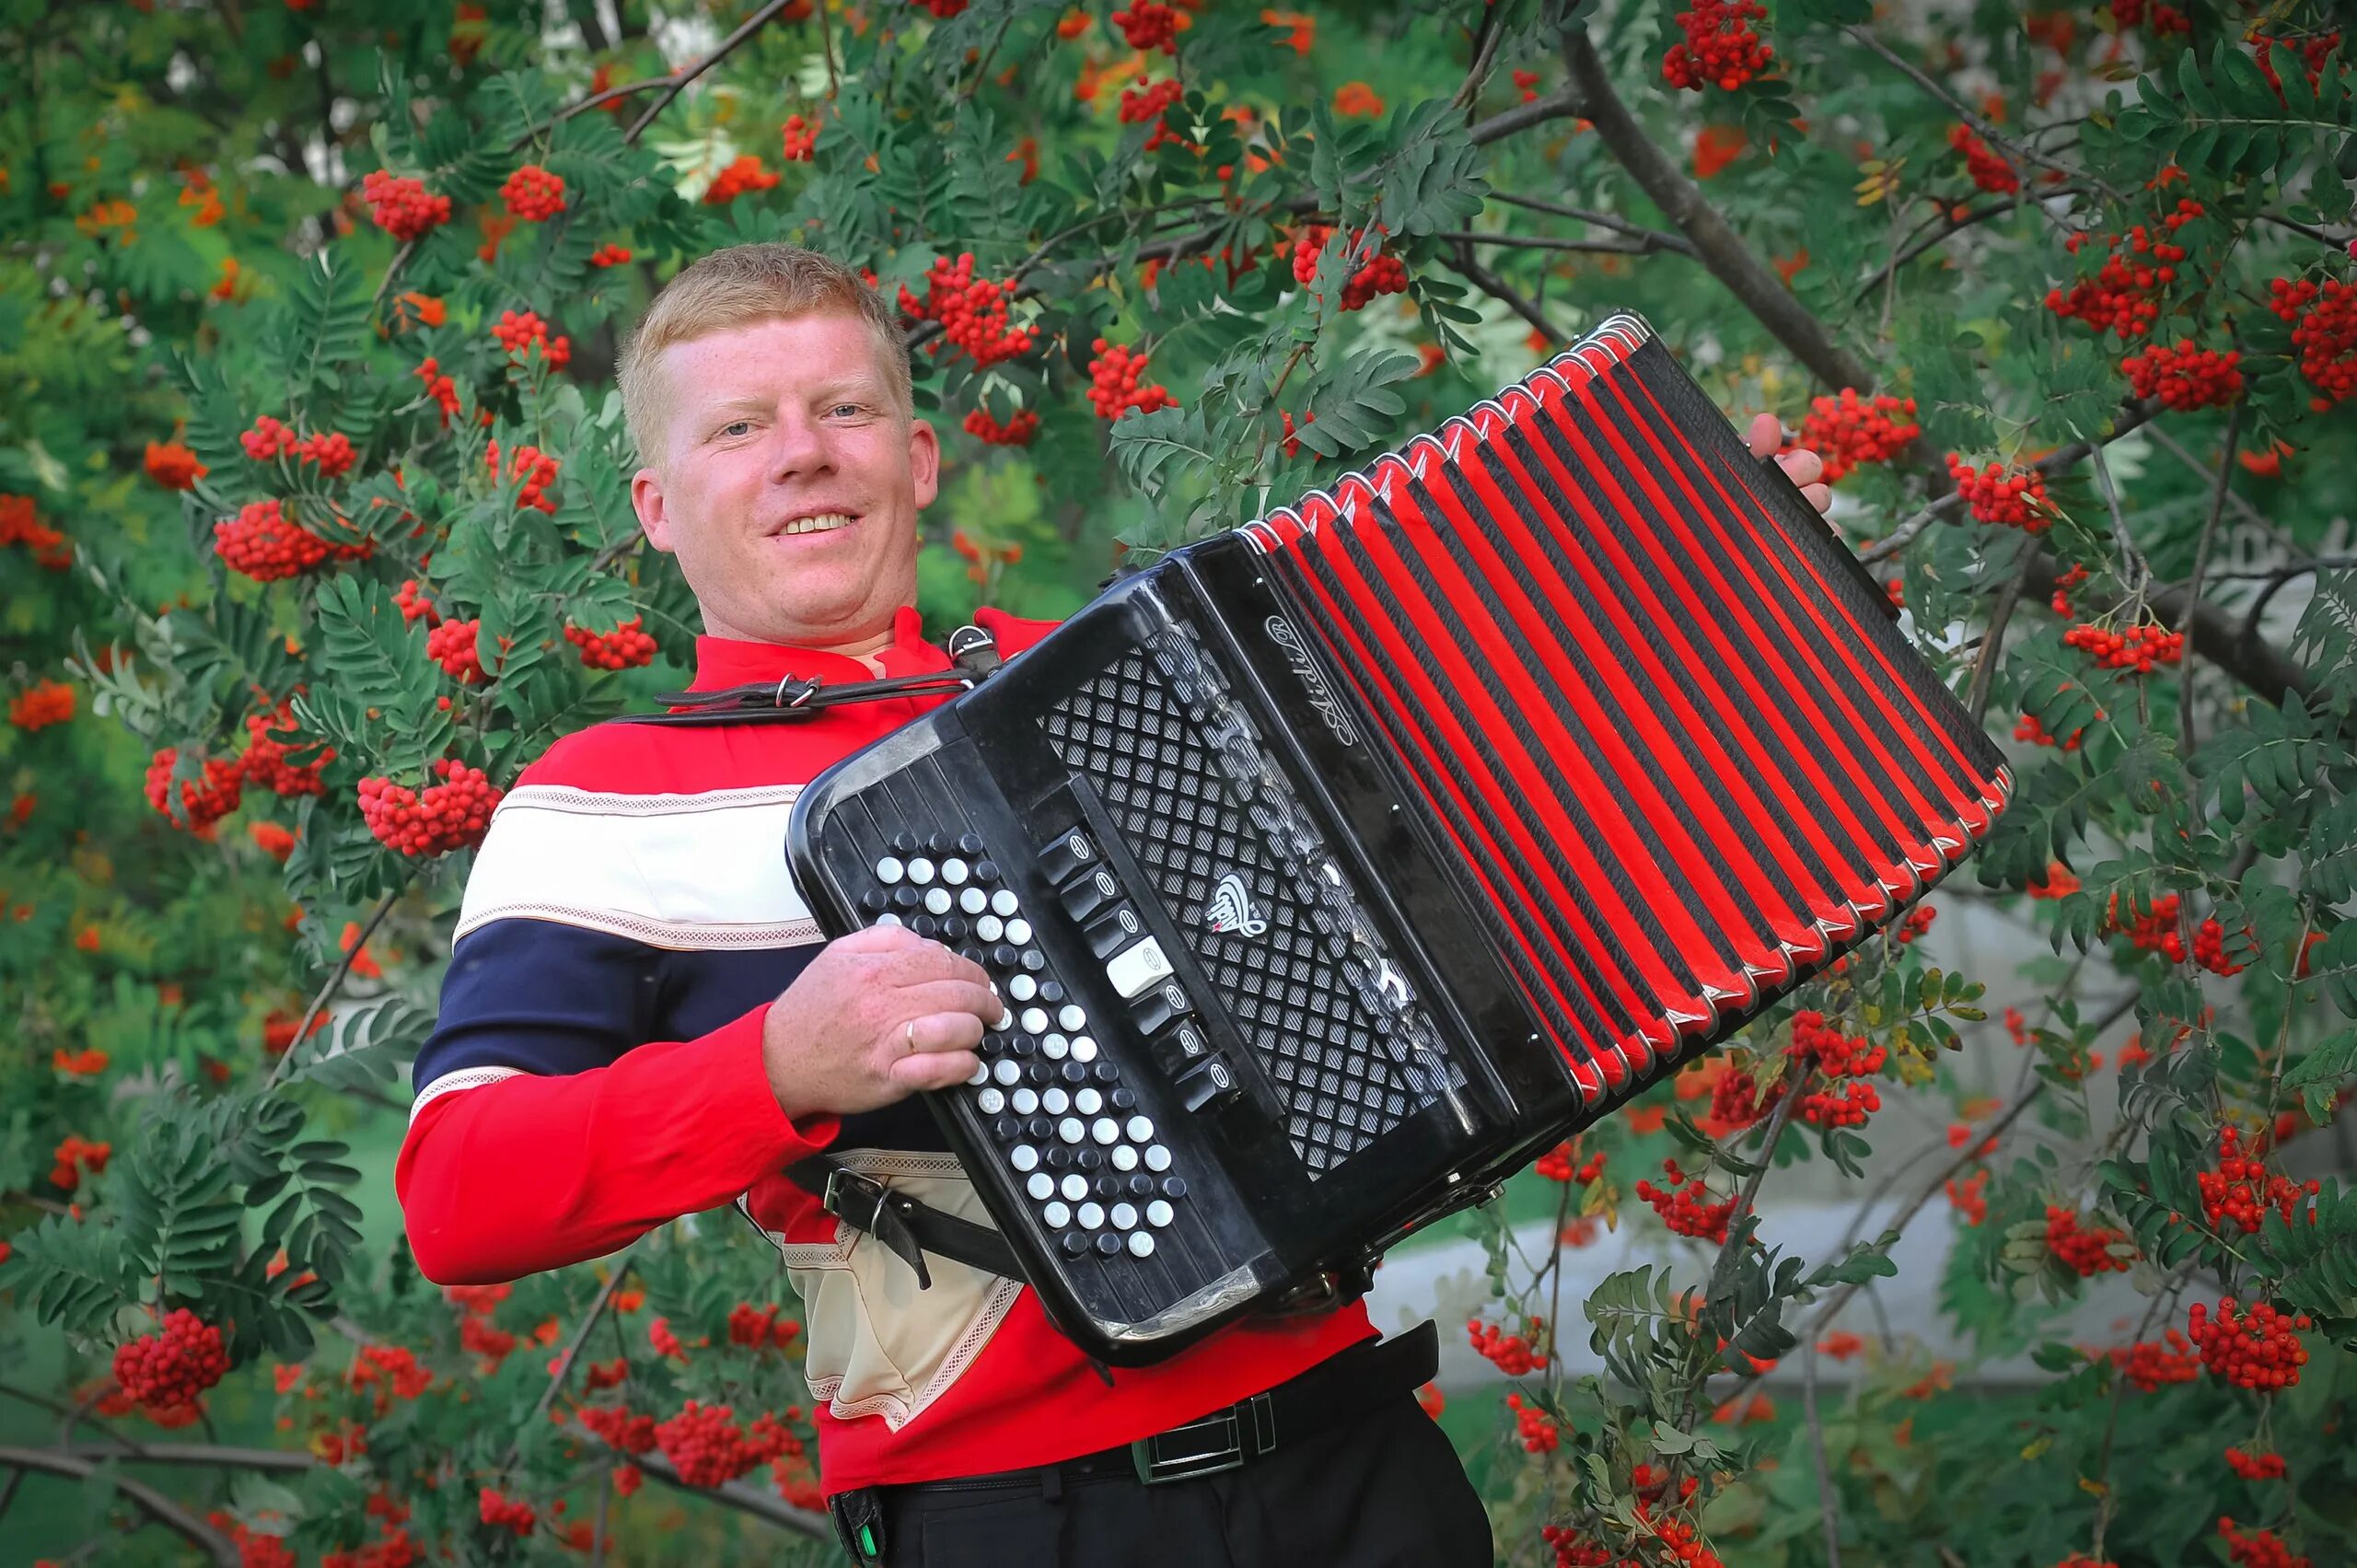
(1333, 868)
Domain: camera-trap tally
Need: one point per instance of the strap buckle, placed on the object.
(1219, 1441)
(867, 1206)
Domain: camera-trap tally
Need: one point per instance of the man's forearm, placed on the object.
(531, 1172)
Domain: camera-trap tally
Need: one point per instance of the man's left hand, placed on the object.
(1800, 464)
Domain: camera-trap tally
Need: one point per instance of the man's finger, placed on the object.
(963, 997)
(1767, 433)
(931, 1033)
(934, 1069)
(1803, 466)
(1819, 497)
(884, 938)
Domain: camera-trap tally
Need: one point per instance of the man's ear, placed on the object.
(924, 463)
(646, 499)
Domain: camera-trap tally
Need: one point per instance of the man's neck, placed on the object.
(865, 647)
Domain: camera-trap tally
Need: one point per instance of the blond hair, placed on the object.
(738, 286)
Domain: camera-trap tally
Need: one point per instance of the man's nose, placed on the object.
(797, 446)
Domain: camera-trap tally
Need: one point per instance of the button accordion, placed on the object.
(1332, 869)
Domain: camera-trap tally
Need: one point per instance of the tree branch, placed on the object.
(1661, 238)
(335, 980)
(2019, 152)
(159, 1507)
(680, 79)
(1720, 249)
(1644, 247)
(2193, 585)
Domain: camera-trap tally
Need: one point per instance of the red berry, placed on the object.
(1720, 48)
(169, 1369)
(200, 805)
(624, 648)
(1988, 171)
(452, 814)
(1849, 432)
(402, 206)
(534, 195)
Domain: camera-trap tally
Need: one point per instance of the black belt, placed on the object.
(1345, 1387)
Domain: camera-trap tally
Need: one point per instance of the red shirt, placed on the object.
(597, 1069)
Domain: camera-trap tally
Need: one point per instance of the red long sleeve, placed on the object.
(531, 1172)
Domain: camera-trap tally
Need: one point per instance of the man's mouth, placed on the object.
(825, 522)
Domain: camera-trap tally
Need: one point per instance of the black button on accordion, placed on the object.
(1333, 868)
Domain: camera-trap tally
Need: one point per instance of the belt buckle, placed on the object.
(1154, 1467)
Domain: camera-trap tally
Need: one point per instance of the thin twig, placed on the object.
(1984, 665)
(335, 980)
(1949, 228)
(156, 1506)
(2020, 152)
(1498, 288)
(2193, 586)
(680, 79)
(1829, 1505)
(2132, 416)
(564, 1367)
(1662, 238)
(2135, 571)
(1644, 247)
(2243, 508)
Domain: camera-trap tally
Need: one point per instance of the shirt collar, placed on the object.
(732, 661)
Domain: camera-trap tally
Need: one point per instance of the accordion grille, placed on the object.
(1181, 819)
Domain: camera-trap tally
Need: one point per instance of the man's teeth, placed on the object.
(826, 522)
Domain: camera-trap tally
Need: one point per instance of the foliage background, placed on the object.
(188, 242)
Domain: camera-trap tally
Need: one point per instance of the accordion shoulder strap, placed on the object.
(973, 650)
(909, 1227)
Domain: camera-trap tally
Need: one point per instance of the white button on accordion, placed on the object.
(1333, 868)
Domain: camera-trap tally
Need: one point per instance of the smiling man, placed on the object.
(641, 1020)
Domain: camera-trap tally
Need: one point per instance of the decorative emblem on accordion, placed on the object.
(1333, 868)
(1231, 909)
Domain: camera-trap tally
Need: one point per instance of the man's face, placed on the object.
(769, 424)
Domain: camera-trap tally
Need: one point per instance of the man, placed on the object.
(640, 1021)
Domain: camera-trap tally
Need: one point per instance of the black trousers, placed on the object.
(1385, 1491)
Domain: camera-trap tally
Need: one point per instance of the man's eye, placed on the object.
(736, 427)
(839, 407)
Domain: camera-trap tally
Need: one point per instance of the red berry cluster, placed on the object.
(2311, 53)
(1511, 1353)
(2084, 1250)
(2256, 1347)
(2139, 648)
(453, 646)
(442, 388)
(1147, 25)
(2151, 930)
(2210, 948)
(411, 600)
(1379, 274)
(1844, 1061)
(534, 195)
(1555, 1165)
(2324, 331)
(1150, 102)
(798, 140)
(2242, 1190)
(2165, 17)
(2153, 1362)
(748, 173)
(1113, 377)
(333, 451)
(43, 704)
(2121, 298)
(609, 256)
(264, 762)
(507, 1513)
(268, 438)
(1988, 171)
(200, 805)
(169, 1369)
(1737, 1101)
(1720, 48)
(402, 206)
(2015, 498)
(75, 1154)
(1016, 432)
(453, 813)
(620, 1428)
(625, 647)
(972, 311)
(520, 332)
(2256, 1467)
(942, 9)
(2186, 377)
(529, 468)
(2029, 730)
(1686, 1206)
(1917, 922)
(1538, 1435)
(755, 1327)
(2061, 602)
(705, 1446)
(1291, 443)
(2259, 1548)
(1849, 432)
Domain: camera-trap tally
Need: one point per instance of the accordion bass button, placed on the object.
(1122, 1216)
(1003, 903)
(1157, 1159)
(1057, 1215)
(1159, 1214)
(970, 845)
(1070, 852)
(1075, 1244)
(1124, 1157)
(1041, 1186)
(888, 870)
(1090, 1215)
(1140, 1244)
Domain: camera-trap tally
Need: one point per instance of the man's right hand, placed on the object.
(877, 1015)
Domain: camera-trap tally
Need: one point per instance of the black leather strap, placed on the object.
(973, 651)
(909, 1227)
